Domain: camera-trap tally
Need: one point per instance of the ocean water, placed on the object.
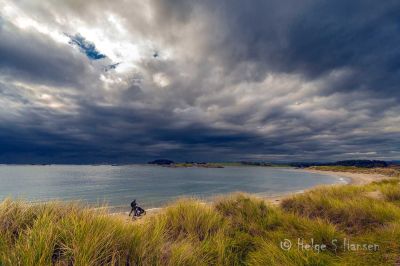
(152, 186)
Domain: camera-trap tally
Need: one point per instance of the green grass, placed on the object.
(346, 207)
(237, 229)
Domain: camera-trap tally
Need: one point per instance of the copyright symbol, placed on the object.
(286, 244)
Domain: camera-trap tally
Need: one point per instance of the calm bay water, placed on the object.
(152, 186)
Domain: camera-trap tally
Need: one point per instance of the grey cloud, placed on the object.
(35, 57)
(265, 80)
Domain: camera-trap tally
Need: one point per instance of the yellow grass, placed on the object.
(237, 229)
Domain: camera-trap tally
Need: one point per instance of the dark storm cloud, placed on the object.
(35, 57)
(316, 37)
(232, 80)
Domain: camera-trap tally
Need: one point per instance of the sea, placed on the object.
(115, 186)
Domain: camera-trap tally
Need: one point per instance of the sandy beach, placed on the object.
(353, 179)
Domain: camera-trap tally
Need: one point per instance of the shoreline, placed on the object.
(354, 178)
(351, 179)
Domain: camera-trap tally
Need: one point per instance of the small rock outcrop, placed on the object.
(162, 162)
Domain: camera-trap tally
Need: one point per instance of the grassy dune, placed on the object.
(235, 230)
(392, 171)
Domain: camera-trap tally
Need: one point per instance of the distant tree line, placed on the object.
(355, 163)
(169, 162)
(161, 162)
(256, 163)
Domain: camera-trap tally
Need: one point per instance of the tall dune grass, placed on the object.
(237, 229)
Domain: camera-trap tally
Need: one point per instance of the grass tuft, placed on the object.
(347, 207)
(237, 229)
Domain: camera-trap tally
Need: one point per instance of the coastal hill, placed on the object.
(170, 163)
(352, 163)
(355, 163)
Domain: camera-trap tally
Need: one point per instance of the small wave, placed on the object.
(344, 180)
(153, 209)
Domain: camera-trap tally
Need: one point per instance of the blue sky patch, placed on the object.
(86, 47)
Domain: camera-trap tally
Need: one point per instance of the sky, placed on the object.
(263, 80)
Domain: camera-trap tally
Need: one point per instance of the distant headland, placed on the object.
(351, 163)
(170, 163)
